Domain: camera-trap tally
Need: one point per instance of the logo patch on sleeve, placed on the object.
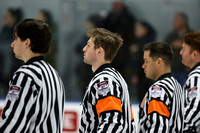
(103, 88)
(13, 93)
(192, 93)
(156, 91)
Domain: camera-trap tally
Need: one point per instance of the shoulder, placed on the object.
(165, 86)
(194, 73)
(32, 70)
(108, 76)
(193, 76)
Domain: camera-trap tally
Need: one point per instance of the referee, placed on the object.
(161, 110)
(190, 53)
(106, 104)
(35, 100)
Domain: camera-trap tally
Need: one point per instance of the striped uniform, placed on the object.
(106, 104)
(35, 101)
(163, 109)
(192, 99)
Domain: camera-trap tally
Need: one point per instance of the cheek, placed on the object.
(91, 54)
(185, 55)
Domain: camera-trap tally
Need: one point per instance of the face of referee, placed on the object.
(90, 53)
(149, 66)
(187, 55)
(18, 47)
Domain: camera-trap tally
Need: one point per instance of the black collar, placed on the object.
(101, 68)
(164, 76)
(198, 64)
(37, 58)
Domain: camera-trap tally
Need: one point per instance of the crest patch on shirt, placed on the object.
(192, 92)
(13, 93)
(103, 88)
(156, 91)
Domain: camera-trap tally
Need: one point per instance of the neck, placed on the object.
(28, 57)
(163, 71)
(98, 64)
(194, 64)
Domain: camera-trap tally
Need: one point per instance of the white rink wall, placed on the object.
(72, 115)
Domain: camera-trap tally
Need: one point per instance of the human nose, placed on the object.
(12, 44)
(143, 66)
(84, 49)
(181, 52)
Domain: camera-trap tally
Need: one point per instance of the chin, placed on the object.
(184, 63)
(85, 61)
(17, 57)
(146, 75)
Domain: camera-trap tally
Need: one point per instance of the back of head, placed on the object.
(183, 16)
(180, 21)
(47, 17)
(143, 28)
(37, 31)
(110, 42)
(193, 40)
(18, 14)
(118, 6)
(96, 19)
(10, 17)
(160, 50)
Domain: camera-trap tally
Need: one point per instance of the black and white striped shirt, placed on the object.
(106, 104)
(163, 109)
(35, 101)
(192, 99)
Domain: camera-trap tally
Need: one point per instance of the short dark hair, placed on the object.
(37, 31)
(193, 40)
(160, 50)
(109, 41)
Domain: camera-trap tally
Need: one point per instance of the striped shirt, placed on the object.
(35, 101)
(106, 104)
(192, 99)
(163, 109)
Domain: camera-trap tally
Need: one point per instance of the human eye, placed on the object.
(145, 61)
(88, 44)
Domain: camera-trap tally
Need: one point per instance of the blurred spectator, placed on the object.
(8, 64)
(83, 70)
(175, 38)
(121, 21)
(46, 17)
(144, 33)
(11, 17)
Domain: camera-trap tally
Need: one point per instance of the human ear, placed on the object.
(159, 61)
(100, 50)
(27, 43)
(195, 54)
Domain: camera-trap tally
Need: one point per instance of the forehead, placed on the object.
(91, 41)
(15, 35)
(186, 46)
(146, 53)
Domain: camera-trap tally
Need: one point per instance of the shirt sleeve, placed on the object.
(192, 104)
(154, 116)
(109, 108)
(19, 104)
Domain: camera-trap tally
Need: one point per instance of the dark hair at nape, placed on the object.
(160, 50)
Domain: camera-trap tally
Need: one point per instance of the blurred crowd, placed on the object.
(129, 60)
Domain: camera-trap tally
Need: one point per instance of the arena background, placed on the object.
(70, 17)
